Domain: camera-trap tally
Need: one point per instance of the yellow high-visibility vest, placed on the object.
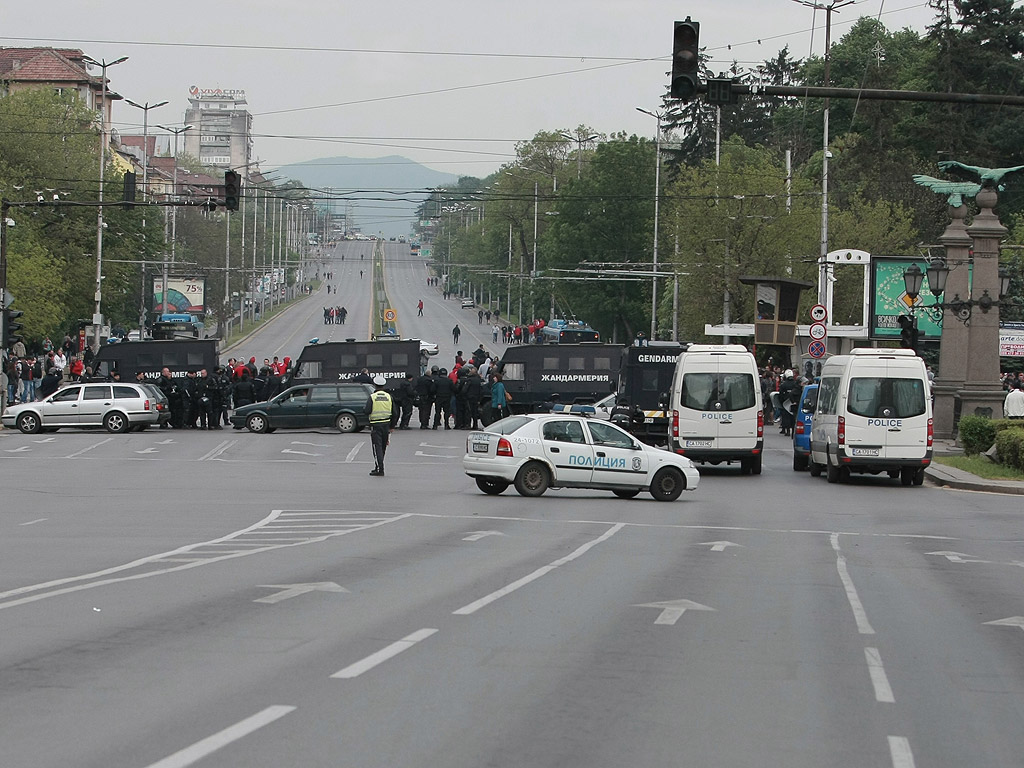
(381, 410)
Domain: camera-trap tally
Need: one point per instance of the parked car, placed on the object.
(308, 406)
(115, 407)
(540, 451)
(802, 428)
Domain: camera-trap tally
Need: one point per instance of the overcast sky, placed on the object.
(451, 84)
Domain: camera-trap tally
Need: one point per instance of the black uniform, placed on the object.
(442, 399)
(789, 394)
(405, 396)
(425, 390)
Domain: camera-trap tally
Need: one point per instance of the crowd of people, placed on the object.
(335, 315)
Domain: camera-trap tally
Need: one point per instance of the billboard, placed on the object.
(1011, 339)
(889, 300)
(185, 295)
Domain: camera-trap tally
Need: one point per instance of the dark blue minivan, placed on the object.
(802, 427)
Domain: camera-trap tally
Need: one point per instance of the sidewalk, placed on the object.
(951, 477)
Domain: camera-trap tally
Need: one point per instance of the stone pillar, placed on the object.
(953, 346)
(982, 394)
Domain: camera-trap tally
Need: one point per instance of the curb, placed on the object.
(950, 477)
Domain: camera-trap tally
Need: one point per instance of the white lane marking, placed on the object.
(209, 745)
(19, 449)
(315, 445)
(477, 535)
(149, 450)
(718, 546)
(168, 441)
(442, 447)
(223, 446)
(1010, 621)
(435, 455)
(300, 453)
(76, 454)
(374, 659)
(352, 454)
(859, 614)
(33, 522)
(173, 556)
(294, 590)
(957, 557)
(673, 610)
(899, 748)
(476, 605)
(880, 681)
(45, 440)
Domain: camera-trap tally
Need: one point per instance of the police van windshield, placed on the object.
(717, 391)
(875, 397)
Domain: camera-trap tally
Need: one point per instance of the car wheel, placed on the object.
(814, 467)
(257, 422)
(116, 422)
(490, 486)
(919, 476)
(28, 423)
(906, 476)
(346, 422)
(626, 493)
(893, 473)
(799, 462)
(668, 483)
(755, 465)
(532, 479)
(831, 471)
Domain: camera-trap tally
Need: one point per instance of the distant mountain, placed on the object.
(380, 194)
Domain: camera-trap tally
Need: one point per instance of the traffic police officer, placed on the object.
(381, 409)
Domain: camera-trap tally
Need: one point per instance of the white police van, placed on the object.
(717, 413)
(874, 414)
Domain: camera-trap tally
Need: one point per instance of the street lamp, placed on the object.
(938, 273)
(580, 140)
(659, 116)
(97, 318)
(174, 209)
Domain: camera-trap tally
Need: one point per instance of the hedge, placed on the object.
(1010, 445)
(976, 434)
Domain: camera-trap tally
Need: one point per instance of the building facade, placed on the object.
(222, 133)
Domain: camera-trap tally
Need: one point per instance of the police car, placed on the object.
(535, 452)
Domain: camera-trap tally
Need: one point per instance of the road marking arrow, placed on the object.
(1010, 621)
(442, 447)
(718, 546)
(672, 610)
(45, 440)
(149, 450)
(300, 453)
(435, 455)
(168, 441)
(957, 557)
(477, 535)
(294, 590)
(20, 449)
(315, 445)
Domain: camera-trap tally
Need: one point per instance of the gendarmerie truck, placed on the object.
(150, 357)
(645, 379)
(578, 373)
(343, 361)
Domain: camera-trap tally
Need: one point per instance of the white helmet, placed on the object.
(788, 374)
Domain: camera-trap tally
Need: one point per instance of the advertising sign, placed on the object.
(185, 295)
(1011, 339)
(889, 300)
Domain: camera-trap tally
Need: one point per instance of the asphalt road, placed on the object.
(236, 600)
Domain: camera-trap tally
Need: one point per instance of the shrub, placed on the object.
(976, 434)
(1010, 445)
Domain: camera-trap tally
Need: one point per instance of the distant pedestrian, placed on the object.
(456, 332)
(419, 309)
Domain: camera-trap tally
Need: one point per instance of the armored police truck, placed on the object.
(645, 379)
(343, 360)
(578, 373)
(128, 358)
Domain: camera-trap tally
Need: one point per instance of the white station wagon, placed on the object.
(117, 407)
(535, 452)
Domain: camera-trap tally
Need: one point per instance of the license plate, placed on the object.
(865, 451)
(698, 443)
(480, 447)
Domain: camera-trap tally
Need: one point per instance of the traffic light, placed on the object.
(232, 190)
(685, 60)
(908, 332)
(11, 327)
(129, 190)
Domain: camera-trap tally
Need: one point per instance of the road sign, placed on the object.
(817, 331)
(818, 313)
(390, 315)
(816, 349)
